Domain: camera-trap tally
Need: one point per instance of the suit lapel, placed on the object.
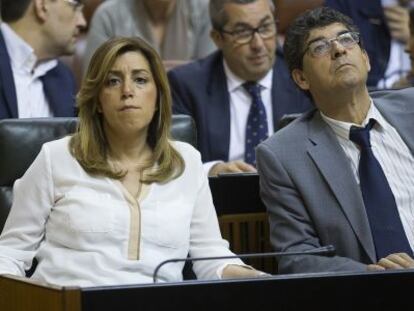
(331, 160)
(276, 102)
(53, 92)
(7, 85)
(287, 98)
(218, 112)
(59, 88)
(281, 89)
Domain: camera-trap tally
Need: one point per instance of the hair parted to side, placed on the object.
(219, 17)
(13, 10)
(298, 32)
(89, 144)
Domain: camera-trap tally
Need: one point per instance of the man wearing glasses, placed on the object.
(342, 174)
(383, 25)
(33, 34)
(237, 94)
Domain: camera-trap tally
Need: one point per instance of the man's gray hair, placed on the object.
(219, 17)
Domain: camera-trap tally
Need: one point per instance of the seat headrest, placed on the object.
(21, 140)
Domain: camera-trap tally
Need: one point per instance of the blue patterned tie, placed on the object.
(384, 219)
(256, 127)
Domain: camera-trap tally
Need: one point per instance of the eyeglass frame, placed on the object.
(253, 31)
(77, 5)
(352, 33)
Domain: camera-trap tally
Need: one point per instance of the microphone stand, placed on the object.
(328, 250)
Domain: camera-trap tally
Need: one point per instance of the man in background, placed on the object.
(384, 28)
(238, 94)
(33, 34)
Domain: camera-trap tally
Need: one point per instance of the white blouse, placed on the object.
(85, 231)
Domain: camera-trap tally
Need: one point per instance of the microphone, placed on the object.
(328, 251)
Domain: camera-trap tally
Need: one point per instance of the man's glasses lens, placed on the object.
(242, 36)
(324, 46)
(77, 4)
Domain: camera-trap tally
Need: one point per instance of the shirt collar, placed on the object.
(234, 82)
(342, 128)
(22, 55)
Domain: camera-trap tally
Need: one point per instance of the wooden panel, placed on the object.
(249, 233)
(21, 294)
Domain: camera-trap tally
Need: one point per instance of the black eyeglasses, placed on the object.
(323, 47)
(245, 35)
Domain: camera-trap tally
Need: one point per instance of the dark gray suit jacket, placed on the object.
(311, 194)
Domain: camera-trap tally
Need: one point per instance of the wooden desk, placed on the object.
(387, 290)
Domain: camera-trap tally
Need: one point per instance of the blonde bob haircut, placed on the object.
(89, 144)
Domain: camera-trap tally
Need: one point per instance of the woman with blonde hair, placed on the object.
(108, 204)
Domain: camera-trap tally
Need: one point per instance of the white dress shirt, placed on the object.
(86, 231)
(240, 103)
(395, 158)
(31, 98)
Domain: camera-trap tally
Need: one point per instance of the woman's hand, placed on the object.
(236, 271)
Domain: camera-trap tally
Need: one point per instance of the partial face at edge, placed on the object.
(64, 21)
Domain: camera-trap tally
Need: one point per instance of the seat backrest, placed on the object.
(22, 139)
(242, 217)
(249, 233)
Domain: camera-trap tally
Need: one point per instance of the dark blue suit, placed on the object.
(370, 19)
(58, 84)
(200, 89)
